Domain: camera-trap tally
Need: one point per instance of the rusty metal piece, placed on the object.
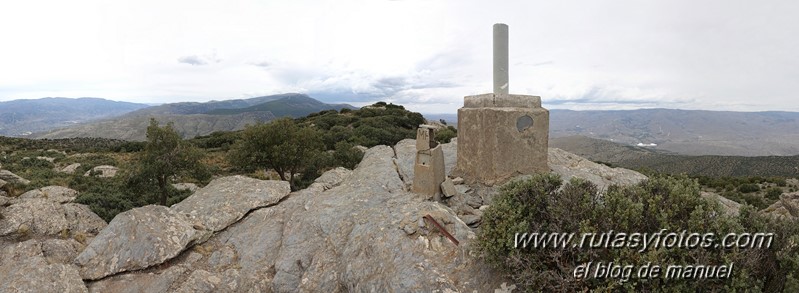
(441, 228)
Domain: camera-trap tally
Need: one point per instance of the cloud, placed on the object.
(199, 60)
(262, 64)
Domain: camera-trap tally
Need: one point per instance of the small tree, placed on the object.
(281, 145)
(166, 155)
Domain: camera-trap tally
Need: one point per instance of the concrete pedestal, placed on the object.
(501, 136)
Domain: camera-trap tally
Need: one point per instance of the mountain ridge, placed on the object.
(191, 119)
(25, 116)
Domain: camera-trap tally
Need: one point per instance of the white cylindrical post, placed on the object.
(501, 58)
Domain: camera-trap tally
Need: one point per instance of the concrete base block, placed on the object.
(497, 143)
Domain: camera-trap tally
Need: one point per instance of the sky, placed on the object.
(423, 54)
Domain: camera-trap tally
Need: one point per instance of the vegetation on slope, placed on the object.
(544, 204)
(292, 106)
(333, 134)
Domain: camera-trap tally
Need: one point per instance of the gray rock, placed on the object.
(136, 239)
(332, 178)
(49, 159)
(569, 165)
(35, 216)
(70, 169)
(202, 281)
(448, 188)
(139, 282)
(225, 200)
(463, 189)
(405, 158)
(12, 178)
(103, 171)
(731, 208)
(24, 268)
(450, 155)
(359, 236)
(470, 219)
(185, 186)
(81, 219)
(2, 183)
(60, 251)
(785, 208)
(222, 257)
(57, 194)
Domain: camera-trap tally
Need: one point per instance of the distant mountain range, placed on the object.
(634, 157)
(192, 119)
(689, 132)
(23, 117)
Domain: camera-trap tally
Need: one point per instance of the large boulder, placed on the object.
(136, 239)
(35, 216)
(81, 219)
(57, 194)
(185, 186)
(48, 211)
(25, 268)
(405, 159)
(225, 200)
(730, 207)
(569, 165)
(139, 282)
(103, 171)
(13, 178)
(70, 169)
(785, 208)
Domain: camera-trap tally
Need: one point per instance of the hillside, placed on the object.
(190, 119)
(133, 128)
(715, 166)
(687, 132)
(23, 117)
(184, 108)
(294, 106)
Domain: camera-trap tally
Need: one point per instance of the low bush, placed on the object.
(545, 204)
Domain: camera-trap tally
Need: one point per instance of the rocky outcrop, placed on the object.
(731, 208)
(569, 165)
(785, 208)
(225, 200)
(103, 171)
(56, 194)
(136, 239)
(48, 211)
(186, 186)
(350, 231)
(71, 168)
(24, 267)
(12, 178)
(37, 216)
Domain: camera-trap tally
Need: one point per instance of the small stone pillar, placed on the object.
(501, 135)
(428, 170)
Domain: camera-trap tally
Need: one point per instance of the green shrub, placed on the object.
(541, 204)
(346, 155)
(773, 193)
(445, 135)
(748, 188)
